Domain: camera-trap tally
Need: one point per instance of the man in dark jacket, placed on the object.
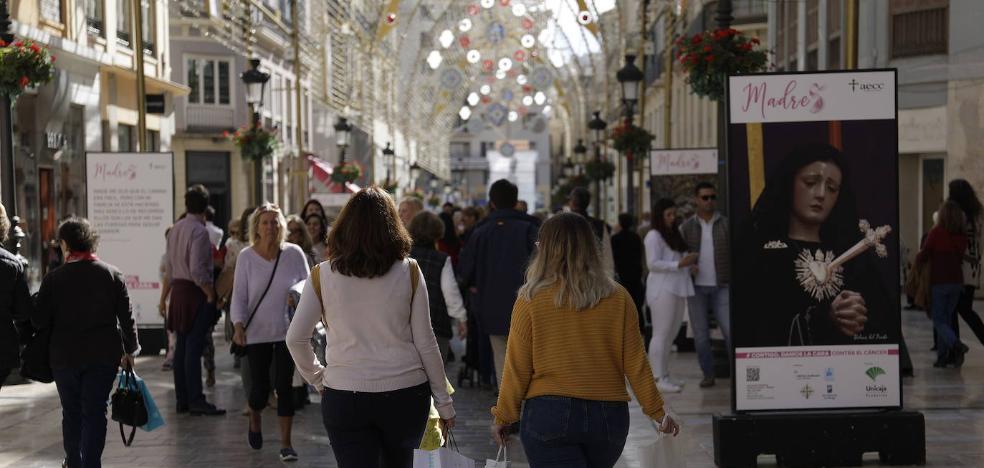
(579, 200)
(493, 264)
(629, 255)
(706, 234)
(15, 303)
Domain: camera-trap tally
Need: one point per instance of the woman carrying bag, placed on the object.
(573, 342)
(383, 360)
(85, 302)
(265, 271)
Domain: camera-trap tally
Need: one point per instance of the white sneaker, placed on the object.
(670, 379)
(665, 386)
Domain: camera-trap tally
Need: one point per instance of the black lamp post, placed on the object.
(8, 184)
(389, 158)
(255, 81)
(414, 174)
(597, 127)
(579, 151)
(629, 76)
(342, 131)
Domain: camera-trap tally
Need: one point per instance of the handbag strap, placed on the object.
(127, 441)
(126, 377)
(265, 290)
(414, 279)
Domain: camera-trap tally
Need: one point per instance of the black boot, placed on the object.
(959, 352)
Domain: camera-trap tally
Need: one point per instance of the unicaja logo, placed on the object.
(874, 372)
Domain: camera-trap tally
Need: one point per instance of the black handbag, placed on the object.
(36, 357)
(128, 405)
(234, 348)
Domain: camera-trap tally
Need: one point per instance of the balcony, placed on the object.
(199, 117)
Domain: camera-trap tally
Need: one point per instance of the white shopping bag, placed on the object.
(665, 452)
(441, 458)
(501, 459)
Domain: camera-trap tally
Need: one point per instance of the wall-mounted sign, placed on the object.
(683, 161)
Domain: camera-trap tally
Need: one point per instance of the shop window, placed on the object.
(126, 138)
(153, 141)
(147, 25)
(210, 81)
(51, 10)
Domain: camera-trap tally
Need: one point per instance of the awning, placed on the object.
(153, 85)
(322, 171)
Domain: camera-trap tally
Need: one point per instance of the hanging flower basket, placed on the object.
(391, 186)
(562, 191)
(710, 56)
(346, 172)
(418, 194)
(631, 140)
(254, 141)
(599, 169)
(434, 201)
(23, 64)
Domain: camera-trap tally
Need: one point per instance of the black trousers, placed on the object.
(965, 309)
(260, 357)
(375, 430)
(4, 373)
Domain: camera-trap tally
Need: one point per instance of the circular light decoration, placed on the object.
(584, 17)
(486, 100)
(465, 41)
(473, 56)
(496, 114)
(513, 116)
(527, 100)
(500, 74)
(473, 99)
(495, 33)
(519, 9)
(488, 66)
(540, 98)
(446, 38)
(473, 9)
(434, 59)
(505, 3)
(519, 56)
(507, 149)
(485, 90)
(488, 3)
(528, 24)
(505, 64)
(465, 25)
(547, 109)
(391, 18)
(527, 41)
(541, 78)
(507, 95)
(521, 80)
(465, 113)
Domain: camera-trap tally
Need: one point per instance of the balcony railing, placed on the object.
(209, 117)
(94, 25)
(920, 32)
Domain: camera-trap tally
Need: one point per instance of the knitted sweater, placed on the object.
(585, 354)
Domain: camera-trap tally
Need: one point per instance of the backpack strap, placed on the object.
(316, 284)
(414, 279)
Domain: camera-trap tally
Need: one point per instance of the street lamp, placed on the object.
(255, 81)
(579, 151)
(629, 77)
(8, 188)
(389, 158)
(597, 127)
(342, 130)
(414, 174)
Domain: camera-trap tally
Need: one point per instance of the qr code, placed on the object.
(752, 374)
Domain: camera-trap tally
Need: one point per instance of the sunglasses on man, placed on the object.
(708, 197)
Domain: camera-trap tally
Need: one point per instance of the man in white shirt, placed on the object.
(215, 233)
(706, 234)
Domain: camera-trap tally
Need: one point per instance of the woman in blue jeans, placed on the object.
(86, 305)
(944, 247)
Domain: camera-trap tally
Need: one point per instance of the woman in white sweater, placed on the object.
(265, 271)
(383, 359)
(667, 287)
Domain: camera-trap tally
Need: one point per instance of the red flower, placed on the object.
(24, 82)
(695, 40)
(225, 134)
(19, 44)
(709, 58)
(2, 43)
(35, 49)
(755, 40)
(707, 48)
(53, 59)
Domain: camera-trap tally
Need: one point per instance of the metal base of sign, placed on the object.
(831, 438)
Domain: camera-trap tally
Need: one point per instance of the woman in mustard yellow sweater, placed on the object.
(573, 341)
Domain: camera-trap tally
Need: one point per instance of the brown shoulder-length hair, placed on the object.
(952, 218)
(368, 237)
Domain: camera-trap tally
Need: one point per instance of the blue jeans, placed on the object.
(704, 298)
(566, 432)
(83, 392)
(944, 303)
(188, 360)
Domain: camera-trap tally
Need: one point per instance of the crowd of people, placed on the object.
(364, 307)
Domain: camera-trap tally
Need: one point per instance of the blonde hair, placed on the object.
(306, 242)
(568, 257)
(254, 223)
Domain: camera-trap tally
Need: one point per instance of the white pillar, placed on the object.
(822, 35)
(801, 36)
